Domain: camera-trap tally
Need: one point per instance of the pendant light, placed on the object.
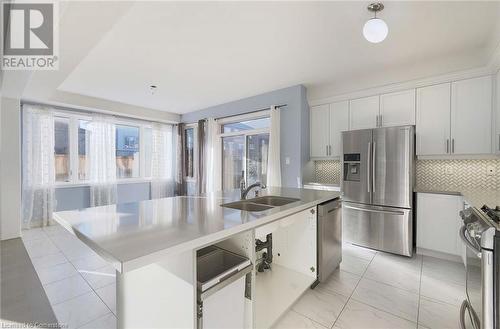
(375, 29)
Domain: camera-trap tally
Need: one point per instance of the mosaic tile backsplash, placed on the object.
(432, 174)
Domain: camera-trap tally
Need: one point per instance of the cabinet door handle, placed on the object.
(376, 121)
(380, 121)
(447, 145)
(453, 145)
(326, 150)
(499, 142)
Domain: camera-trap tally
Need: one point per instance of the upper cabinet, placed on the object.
(327, 123)
(339, 122)
(320, 130)
(364, 112)
(455, 118)
(471, 105)
(386, 110)
(397, 109)
(433, 119)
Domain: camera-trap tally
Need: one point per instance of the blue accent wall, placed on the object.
(294, 125)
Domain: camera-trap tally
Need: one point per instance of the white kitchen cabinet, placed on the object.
(455, 118)
(433, 119)
(364, 112)
(327, 123)
(438, 222)
(339, 122)
(319, 129)
(397, 109)
(471, 113)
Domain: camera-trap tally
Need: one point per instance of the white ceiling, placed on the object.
(201, 54)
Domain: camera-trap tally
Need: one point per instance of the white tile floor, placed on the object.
(371, 289)
(79, 284)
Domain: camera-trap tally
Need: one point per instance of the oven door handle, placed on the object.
(468, 243)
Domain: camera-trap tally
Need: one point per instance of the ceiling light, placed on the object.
(375, 30)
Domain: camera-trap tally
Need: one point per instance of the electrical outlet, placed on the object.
(490, 170)
(287, 160)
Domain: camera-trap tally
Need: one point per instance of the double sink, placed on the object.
(261, 203)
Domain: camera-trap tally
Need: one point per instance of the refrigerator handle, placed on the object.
(368, 179)
(374, 148)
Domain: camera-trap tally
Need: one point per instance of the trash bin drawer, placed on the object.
(221, 277)
(215, 265)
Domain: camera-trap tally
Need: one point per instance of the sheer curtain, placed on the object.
(38, 200)
(274, 163)
(214, 155)
(162, 161)
(102, 160)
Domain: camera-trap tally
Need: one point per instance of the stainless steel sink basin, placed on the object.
(246, 206)
(275, 201)
(260, 204)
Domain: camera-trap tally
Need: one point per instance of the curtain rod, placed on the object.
(260, 110)
(83, 110)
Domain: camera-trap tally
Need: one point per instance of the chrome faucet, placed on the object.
(244, 191)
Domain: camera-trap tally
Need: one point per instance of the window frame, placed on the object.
(244, 133)
(74, 118)
(193, 126)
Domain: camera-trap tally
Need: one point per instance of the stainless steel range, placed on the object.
(481, 235)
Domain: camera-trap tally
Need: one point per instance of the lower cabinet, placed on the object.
(438, 222)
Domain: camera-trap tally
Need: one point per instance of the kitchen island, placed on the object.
(153, 246)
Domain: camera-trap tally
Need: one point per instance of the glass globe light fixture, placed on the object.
(375, 29)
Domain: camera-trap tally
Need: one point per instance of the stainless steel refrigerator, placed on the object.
(377, 186)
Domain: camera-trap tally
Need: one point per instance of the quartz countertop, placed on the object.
(132, 235)
(475, 197)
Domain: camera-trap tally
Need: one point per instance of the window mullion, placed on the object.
(142, 154)
(73, 149)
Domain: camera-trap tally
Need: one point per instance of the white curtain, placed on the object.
(102, 160)
(213, 157)
(273, 162)
(38, 200)
(162, 161)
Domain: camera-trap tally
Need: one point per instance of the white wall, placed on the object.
(10, 168)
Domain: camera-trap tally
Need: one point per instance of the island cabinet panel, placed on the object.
(159, 295)
(293, 268)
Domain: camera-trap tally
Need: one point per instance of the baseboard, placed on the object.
(438, 254)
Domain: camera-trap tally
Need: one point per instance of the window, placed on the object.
(233, 150)
(61, 149)
(189, 152)
(83, 135)
(72, 136)
(259, 123)
(245, 145)
(147, 146)
(127, 151)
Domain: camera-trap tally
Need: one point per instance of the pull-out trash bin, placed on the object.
(221, 288)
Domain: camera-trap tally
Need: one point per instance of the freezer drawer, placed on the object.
(382, 228)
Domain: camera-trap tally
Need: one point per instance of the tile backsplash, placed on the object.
(432, 174)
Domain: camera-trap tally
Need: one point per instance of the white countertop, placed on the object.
(475, 197)
(132, 235)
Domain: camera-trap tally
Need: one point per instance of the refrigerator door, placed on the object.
(392, 166)
(382, 228)
(356, 168)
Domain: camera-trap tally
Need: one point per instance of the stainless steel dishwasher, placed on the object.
(329, 238)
